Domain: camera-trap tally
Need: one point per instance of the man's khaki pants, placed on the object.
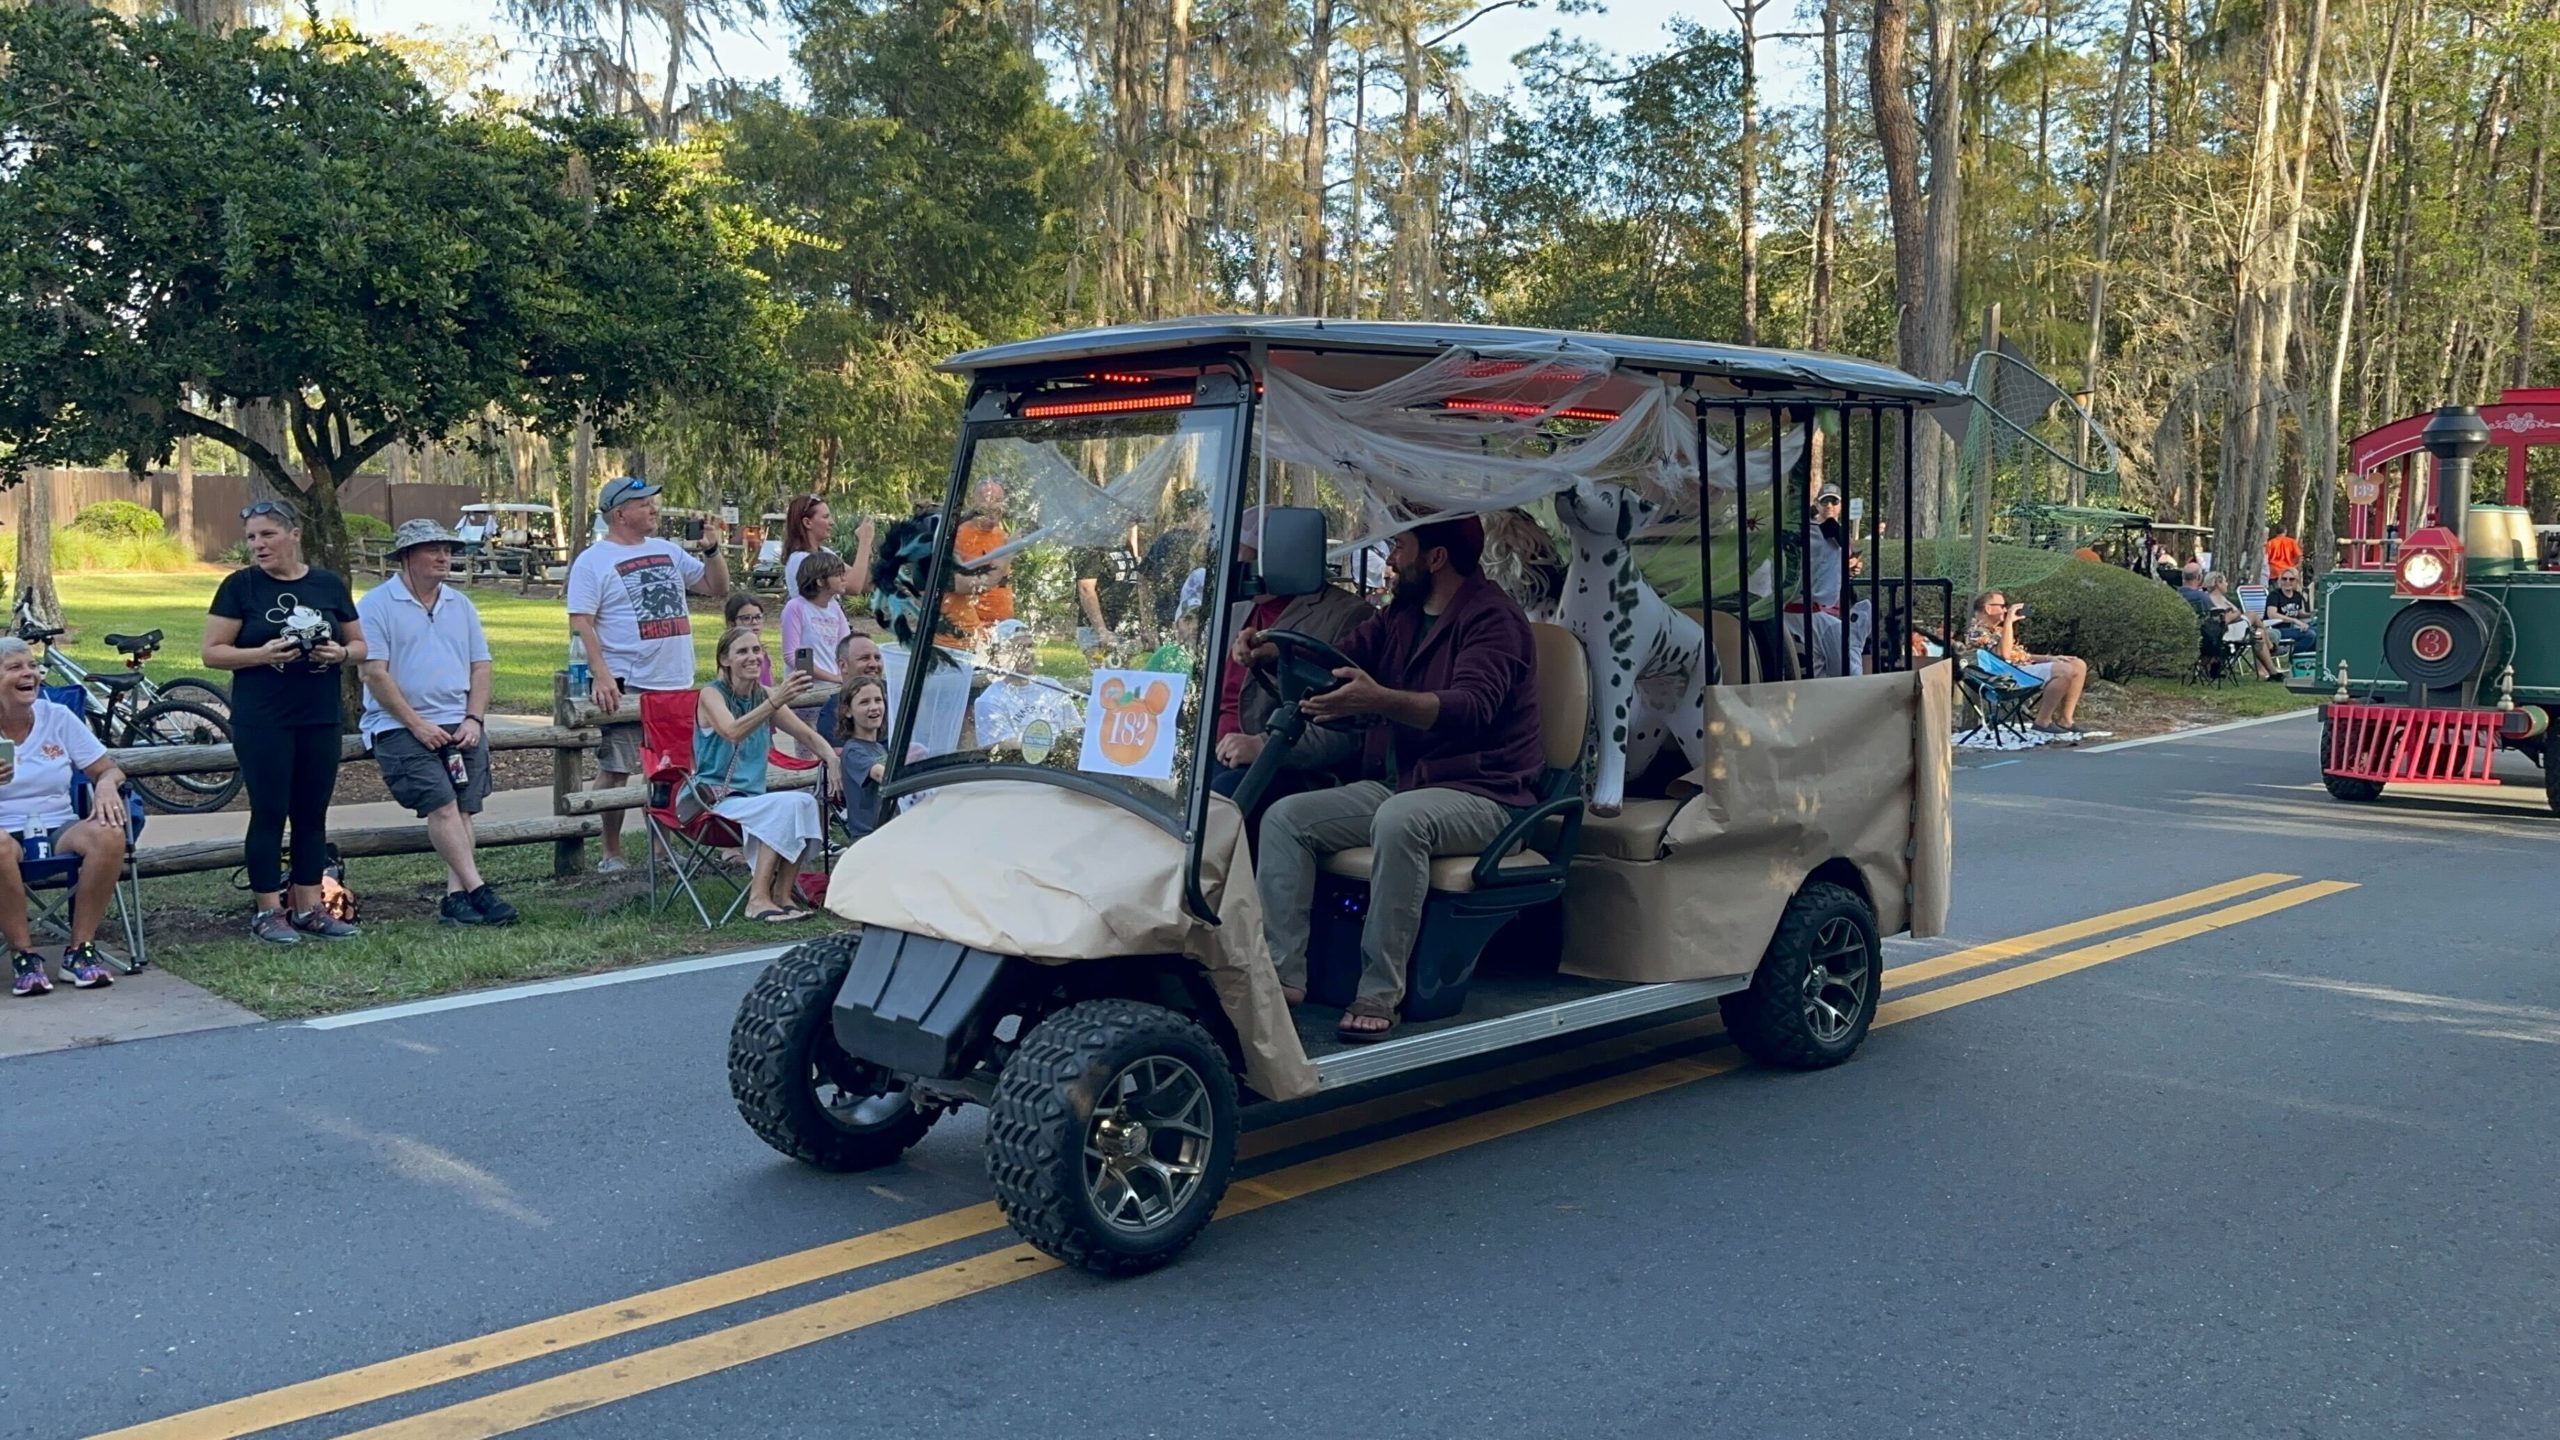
(1403, 830)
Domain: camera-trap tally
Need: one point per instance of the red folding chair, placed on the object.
(690, 849)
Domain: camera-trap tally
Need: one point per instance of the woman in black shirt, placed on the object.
(283, 628)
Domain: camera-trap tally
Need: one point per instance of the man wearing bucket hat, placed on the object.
(426, 689)
(627, 607)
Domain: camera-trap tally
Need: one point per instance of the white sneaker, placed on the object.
(613, 865)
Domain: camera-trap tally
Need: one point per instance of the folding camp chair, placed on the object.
(51, 881)
(691, 849)
(2004, 699)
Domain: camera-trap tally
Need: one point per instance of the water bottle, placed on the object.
(577, 669)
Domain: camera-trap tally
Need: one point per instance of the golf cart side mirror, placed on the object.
(1292, 550)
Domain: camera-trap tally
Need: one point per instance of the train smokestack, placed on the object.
(2456, 434)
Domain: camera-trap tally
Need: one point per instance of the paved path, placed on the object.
(2207, 1151)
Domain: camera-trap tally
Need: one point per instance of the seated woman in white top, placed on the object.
(48, 744)
(732, 751)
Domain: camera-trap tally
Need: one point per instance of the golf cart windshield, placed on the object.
(1076, 573)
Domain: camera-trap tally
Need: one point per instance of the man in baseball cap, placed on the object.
(627, 606)
(426, 691)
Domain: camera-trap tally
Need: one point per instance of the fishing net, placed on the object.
(2034, 462)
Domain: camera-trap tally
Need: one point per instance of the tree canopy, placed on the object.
(195, 224)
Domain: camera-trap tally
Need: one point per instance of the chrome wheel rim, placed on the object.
(1837, 980)
(1146, 1151)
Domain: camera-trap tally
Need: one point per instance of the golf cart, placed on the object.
(1060, 921)
(766, 573)
(504, 540)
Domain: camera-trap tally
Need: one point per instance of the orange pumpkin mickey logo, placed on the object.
(1131, 718)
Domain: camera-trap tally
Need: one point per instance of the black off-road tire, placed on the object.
(1769, 1021)
(1043, 1112)
(2344, 787)
(783, 1045)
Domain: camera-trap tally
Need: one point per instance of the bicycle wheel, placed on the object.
(211, 694)
(183, 722)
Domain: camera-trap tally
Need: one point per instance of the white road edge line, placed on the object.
(499, 996)
(2196, 732)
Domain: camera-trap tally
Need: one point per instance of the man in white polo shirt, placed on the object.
(426, 687)
(627, 607)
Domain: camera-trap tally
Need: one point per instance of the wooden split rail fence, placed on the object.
(572, 734)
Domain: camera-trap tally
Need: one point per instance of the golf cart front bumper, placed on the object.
(921, 1006)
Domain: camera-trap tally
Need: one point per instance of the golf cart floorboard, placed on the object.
(1501, 1011)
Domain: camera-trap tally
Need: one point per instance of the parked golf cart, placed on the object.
(1062, 924)
(766, 573)
(503, 540)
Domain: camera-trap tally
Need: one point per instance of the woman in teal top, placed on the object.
(732, 752)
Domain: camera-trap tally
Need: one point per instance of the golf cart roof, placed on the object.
(508, 509)
(1744, 367)
(2182, 529)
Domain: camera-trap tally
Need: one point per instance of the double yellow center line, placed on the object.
(656, 1368)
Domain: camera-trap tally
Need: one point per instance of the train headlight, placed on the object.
(2429, 567)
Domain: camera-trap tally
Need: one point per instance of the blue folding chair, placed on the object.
(2004, 699)
(51, 881)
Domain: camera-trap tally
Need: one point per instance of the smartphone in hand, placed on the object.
(805, 660)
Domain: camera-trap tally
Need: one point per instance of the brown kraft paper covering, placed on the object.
(1797, 772)
(1018, 868)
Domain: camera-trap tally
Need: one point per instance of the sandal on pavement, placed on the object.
(1366, 1010)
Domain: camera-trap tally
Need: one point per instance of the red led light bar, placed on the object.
(1525, 410)
(1114, 377)
(1121, 405)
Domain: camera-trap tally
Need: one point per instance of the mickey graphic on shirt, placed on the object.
(302, 625)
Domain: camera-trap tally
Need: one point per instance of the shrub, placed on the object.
(120, 518)
(366, 527)
(76, 549)
(2123, 624)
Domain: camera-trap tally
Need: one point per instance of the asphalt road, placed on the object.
(2284, 1169)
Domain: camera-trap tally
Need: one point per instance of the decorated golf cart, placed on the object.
(1062, 924)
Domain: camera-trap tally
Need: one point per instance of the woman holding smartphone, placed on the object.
(284, 628)
(41, 747)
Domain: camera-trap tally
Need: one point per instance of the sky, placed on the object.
(1626, 25)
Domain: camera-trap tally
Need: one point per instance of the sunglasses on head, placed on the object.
(268, 507)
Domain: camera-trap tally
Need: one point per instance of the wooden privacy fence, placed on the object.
(574, 813)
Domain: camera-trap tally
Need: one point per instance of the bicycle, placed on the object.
(132, 709)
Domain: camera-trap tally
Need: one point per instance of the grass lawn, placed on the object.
(528, 635)
(569, 927)
(2238, 700)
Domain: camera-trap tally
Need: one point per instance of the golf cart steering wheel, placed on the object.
(1305, 667)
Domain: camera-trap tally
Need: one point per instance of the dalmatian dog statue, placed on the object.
(1648, 661)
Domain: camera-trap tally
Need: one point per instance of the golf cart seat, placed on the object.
(1471, 896)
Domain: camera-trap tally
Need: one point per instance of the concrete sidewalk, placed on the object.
(136, 1007)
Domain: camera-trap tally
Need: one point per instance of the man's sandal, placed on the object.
(1366, 1010)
